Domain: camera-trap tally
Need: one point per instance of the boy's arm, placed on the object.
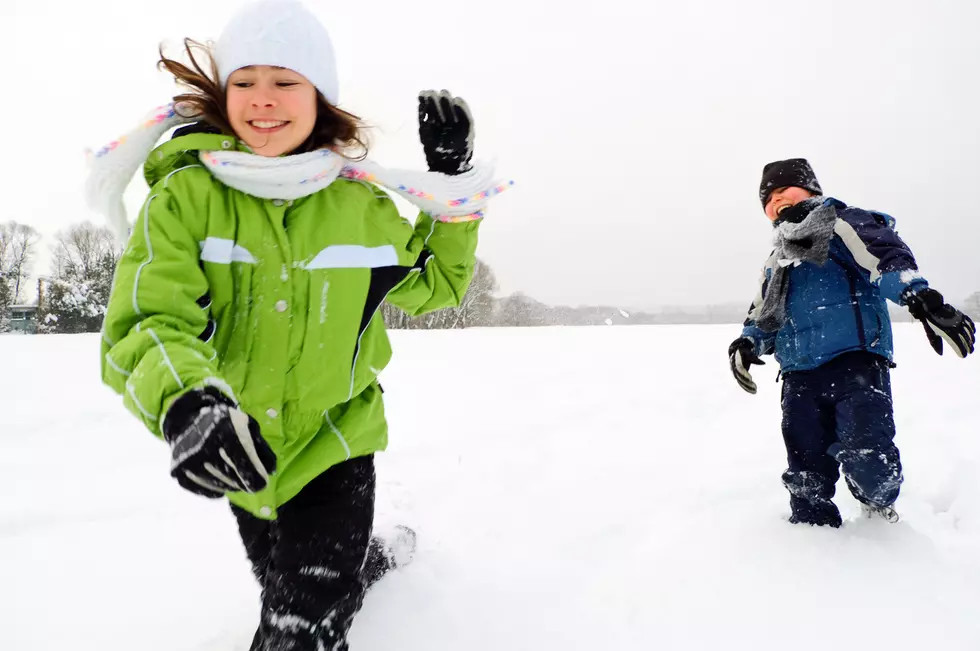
(764, 342)
(877, 248)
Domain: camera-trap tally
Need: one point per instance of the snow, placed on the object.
(909, 276)
(573, 488)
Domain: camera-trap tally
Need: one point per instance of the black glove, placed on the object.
(216, 448)
(942, 321)
(446, 132)
(741, 357)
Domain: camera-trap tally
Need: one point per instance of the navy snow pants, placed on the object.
(839, 416)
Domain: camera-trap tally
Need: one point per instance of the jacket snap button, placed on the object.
(266, 511)
(271, 413)
(281, 306)
(278, 202)
(226, 144)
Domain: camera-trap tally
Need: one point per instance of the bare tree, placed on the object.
(81, 249)
(6, 238)
(84, 258)
(4, 304)
(477, 305)
(475, 309)
(18, 249)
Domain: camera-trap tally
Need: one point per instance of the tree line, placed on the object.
(74, 296)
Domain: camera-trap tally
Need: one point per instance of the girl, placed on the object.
(242, 327)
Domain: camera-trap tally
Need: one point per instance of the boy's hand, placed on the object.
(741, 357)
(942, 321)
(446, 132)
(215, 447)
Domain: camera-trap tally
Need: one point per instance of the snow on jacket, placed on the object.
(276, 303)
(840, 306)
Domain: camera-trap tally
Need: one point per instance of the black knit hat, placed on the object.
(793, 172)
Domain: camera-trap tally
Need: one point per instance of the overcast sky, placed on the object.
(636, 131)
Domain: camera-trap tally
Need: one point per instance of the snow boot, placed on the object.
(818, 513)
(389, 553)
(886, 513)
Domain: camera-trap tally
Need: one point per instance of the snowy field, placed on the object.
(573, 488)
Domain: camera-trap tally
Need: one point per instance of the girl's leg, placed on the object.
(256, 535)
(315, 582)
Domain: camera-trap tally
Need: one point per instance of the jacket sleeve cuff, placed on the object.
(764, 342)
(894, 284)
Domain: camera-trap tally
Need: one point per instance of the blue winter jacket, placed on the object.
(840, 306)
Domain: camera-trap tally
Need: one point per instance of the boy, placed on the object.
(821, 309)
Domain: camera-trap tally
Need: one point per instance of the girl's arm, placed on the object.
(156, 331)
(436, 259)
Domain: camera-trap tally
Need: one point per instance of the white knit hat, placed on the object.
(279, 33)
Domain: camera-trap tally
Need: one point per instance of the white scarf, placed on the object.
(447, 198)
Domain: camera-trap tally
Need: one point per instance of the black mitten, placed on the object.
(216, 448)
(741, 357)
(446, 132)
(942, 321)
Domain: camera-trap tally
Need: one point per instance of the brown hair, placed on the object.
(334, 128)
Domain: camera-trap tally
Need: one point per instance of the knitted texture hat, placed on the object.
(793, 172)
(279, 33)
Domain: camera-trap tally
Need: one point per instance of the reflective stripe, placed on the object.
(352, 256)
(116, 367)
(167, 179)
(337, 433)
(858, 248)
(139, 405)
(149, 259)
(166, 358)
(222, 251)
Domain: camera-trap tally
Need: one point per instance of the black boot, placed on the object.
(386, 554)
(818, 513)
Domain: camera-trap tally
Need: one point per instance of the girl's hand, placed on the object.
(446, 132)
(216, 448)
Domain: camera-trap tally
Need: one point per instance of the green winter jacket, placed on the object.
(275, 303)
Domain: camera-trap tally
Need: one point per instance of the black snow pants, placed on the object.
(316, 560)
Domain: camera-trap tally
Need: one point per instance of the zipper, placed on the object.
(858, 317)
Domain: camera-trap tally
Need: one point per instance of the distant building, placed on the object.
(23, 318)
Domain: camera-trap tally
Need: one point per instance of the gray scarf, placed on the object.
(806, 240)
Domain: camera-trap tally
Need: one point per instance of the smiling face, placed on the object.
(271, 109)
(783, 198)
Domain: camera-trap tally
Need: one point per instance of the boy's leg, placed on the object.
(866, 431)
(315, 581)
(808, 432)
